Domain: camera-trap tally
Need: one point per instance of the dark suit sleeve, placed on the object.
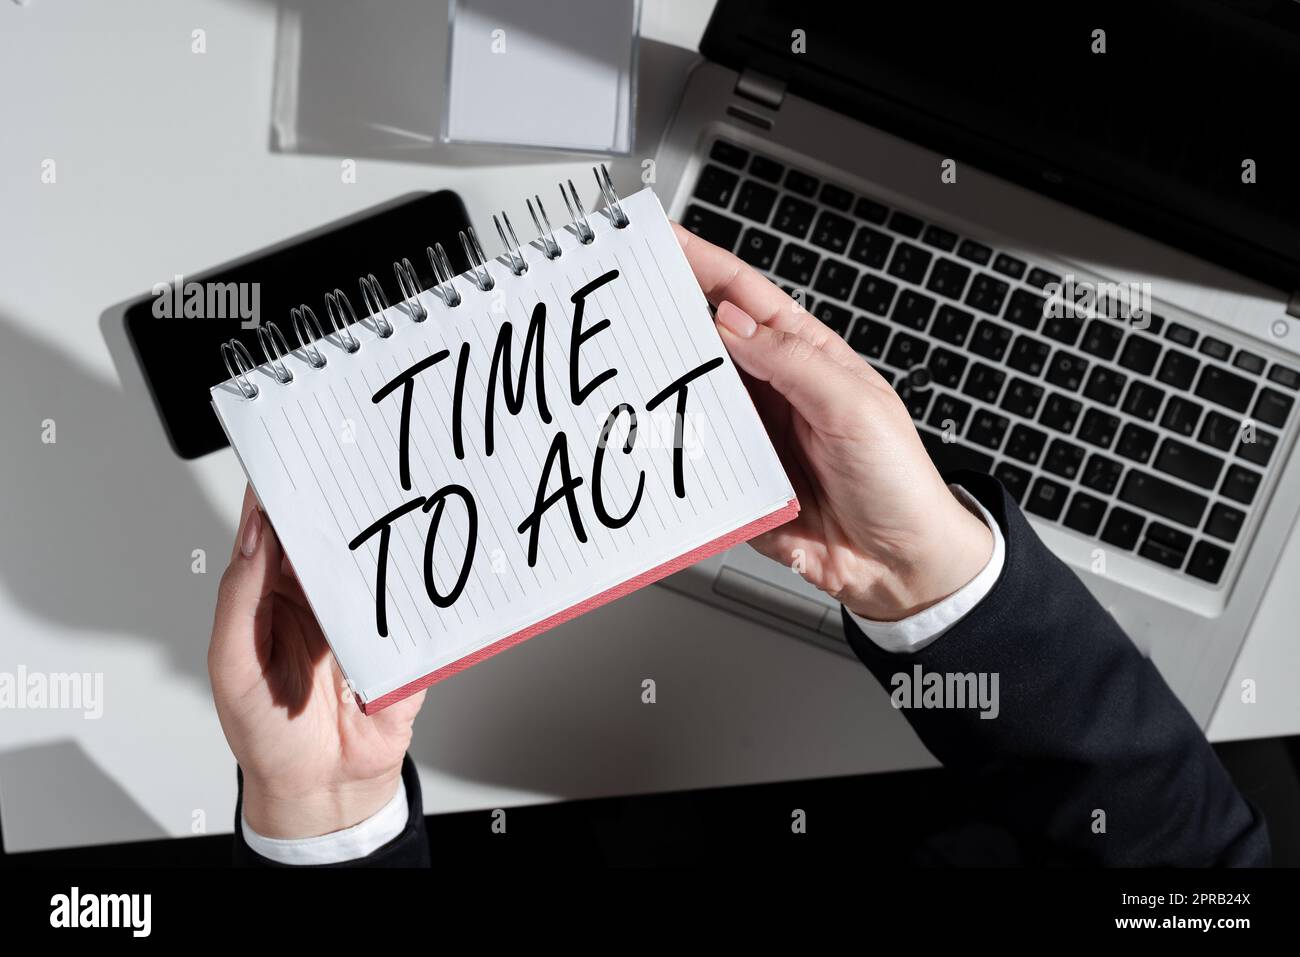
(410, 848)
(1085, 723)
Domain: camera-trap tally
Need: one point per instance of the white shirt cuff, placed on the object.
(348, 844)
(925, 627)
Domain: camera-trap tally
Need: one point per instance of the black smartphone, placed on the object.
(177, 330)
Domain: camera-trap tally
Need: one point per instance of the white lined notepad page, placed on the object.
(476, 549)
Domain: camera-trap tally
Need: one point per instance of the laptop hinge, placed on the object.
(765, 90)
(1293, 304)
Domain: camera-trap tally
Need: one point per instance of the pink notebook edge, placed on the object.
(737, 537)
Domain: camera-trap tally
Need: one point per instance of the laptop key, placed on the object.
(987, 429)
(1136, 443)
(870, 210)
(1143, 401)
(909, 262)
(871, 247)
(1014, 479)
(836, 318)
(1272, 407)
(1225, 522)
(946, 366)
(984, 383)
(874, 294)
(1064, 458)
(987, 293)
(948, 278)
(1216, 348)
(977, 253)
(1105, 385)
(1047, 498)
(802, 183)
(1022, 398)
(869, 337)
(1181, 415)
(1025, 444)
(1169, 537)
(906, 351)
(758, 248)
(1240, 484)
(1064, 329)
(793, 216)
(949, 414)
(1181, 334)
(950, 456)
(797, 264)
(716, 185)
(1178, 369)
(1122, 528)
(1039, 278)
(1102, 474)
(1140, 354)
(1248, 362)
(1099, 428)
(1085, 513)
(766, 169)
(1283, 376)
(1257, 447)
(1208, 562)
(1060, 413)
(909, 226)
(1029, 355)
(1188, 463)
(1102, 339)
(837, 197)
(755, 201)
(940, 238)
(1009, 266)
(990, 340)
(835, 279)
(1163, 554)
(1218, 431)
(832, 232)
(1226, 388)
(729, 153)
(952, 325)
(1160, 497)
(710, 226)
(1025, 309)
(1066, 370)
(913, 309)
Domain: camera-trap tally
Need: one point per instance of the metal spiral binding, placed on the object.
(335, 301)
(581, 225)
(267, 335)
(518, 264)
(372, 294)
(242, 367)
(477, 261)
(443, 275)
(338, 308)
(612, 203)
(550, 248)
(304, 322)
(409, 283)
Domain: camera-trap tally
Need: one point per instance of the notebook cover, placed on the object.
(709, 549)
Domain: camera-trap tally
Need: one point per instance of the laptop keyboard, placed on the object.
(1132, 437)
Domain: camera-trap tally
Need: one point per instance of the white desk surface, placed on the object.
(164, 166)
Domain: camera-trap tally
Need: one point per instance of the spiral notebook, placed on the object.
(504, 450)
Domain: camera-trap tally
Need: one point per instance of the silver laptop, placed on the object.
(918, 179)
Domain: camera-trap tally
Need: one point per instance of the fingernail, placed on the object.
(736, 320)
(252, 532)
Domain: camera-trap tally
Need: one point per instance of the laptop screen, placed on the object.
(1178, 118)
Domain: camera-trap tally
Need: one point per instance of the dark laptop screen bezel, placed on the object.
(1246, 35)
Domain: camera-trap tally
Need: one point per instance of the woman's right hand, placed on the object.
(879, 529)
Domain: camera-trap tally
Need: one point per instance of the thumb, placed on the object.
(825, 392)
(242, 627)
